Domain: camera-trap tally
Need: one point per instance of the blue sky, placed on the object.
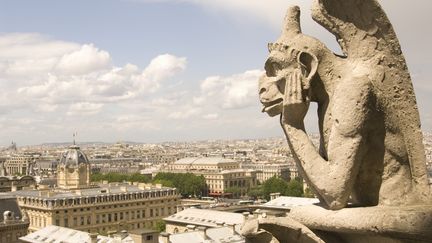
(159, 70)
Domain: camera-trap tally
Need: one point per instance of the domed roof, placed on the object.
(73, 157)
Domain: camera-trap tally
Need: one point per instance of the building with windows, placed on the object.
(205, 163)
(12, 223)
(265, 171)
(234, 183)
(14, 183)
(223, 177)
(76, 203)
(20, 164)
(111, 207)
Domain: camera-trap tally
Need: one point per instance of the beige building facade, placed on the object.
(265, 171)
(19, 164)
(106, 208)
(223, 177)
(205, 163)
(230, 182)
(76, 203)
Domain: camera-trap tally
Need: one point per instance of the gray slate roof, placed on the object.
(9, 203)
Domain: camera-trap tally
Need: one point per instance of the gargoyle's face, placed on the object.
(278, 68)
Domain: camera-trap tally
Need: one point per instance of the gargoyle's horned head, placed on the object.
(284, 59)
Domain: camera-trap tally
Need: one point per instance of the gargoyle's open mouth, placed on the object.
(270, 105)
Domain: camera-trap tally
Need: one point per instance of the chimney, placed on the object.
(275, 195)
(165, 237)
(13, 187)
(190, 227)
(111, 233)
(232, 227)
(219, 223)
(124, 234)
(203, 231)
(93, 237)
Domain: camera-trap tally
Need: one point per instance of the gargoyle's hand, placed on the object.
(296, 101)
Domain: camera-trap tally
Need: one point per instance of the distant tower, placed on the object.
(73, 170)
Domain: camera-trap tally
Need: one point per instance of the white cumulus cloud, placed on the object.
(232, 92)
(45, 72)
(87, 59)
(84, 108)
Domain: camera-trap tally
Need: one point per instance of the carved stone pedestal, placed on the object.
(363, 224)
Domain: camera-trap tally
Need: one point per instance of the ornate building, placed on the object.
(73, 171)
(223, 177)
(78, 204)
(20, 164)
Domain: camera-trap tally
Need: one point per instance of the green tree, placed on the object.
(160, 225)
(166, 183)
(308, 193)
(187, 184)
(137, 177)
(273, 185)
(294, 189)
(96, 177)
(256, 192)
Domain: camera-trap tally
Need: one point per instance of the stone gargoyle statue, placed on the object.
(371, 151)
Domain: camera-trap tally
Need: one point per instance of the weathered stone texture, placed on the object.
(371, 151)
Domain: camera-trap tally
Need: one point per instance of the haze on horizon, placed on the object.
(160, 70)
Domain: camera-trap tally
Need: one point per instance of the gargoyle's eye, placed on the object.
(272, 68)
(276, 66)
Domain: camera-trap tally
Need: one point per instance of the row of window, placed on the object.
(127, 205)
(99, 199)
(113, 217)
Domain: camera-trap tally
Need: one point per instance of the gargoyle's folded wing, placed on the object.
(368, 39)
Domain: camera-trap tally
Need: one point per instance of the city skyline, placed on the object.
(159, 70)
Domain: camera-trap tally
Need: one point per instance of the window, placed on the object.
(149, 237)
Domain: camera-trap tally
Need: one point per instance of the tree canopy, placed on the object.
(187, 184)
(292, 188)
